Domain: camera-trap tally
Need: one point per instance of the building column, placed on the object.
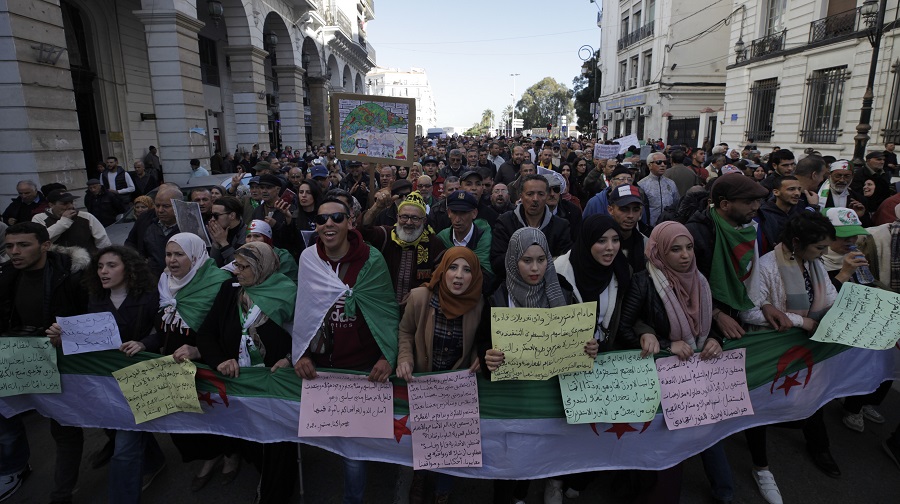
(318, 106)
(39, 136)
(173, 54)
(290, 105)
(249, 84)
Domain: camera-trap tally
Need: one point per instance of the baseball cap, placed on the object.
(93, 181)
(730, 168)
(429, 159)
(318, 171)
(354, 164)
(736, 186)
(400, 185)
(60, 196)
(845, 221)
(874, 154)
(625, 194)
(471, 173)
(461, 201)
(253, 180)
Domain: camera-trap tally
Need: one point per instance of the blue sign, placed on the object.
(627, 101)
(734, 117)
(565, 128)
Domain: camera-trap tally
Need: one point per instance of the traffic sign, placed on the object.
(604, 129)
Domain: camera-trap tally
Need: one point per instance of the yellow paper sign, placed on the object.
(540, 343)
(159, 387)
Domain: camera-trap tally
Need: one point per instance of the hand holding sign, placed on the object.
(93, 332)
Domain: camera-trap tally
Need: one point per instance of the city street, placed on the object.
(869, 476)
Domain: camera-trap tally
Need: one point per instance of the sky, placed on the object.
(469, 48)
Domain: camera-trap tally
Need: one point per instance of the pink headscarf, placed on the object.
(686, 296)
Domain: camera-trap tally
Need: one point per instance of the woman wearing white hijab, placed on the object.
(187, 289)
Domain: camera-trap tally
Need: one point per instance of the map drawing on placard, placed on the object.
(374, 127)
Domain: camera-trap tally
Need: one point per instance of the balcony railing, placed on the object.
(844, 23)
(767, 45)
(344, 23)
(636, 36)
(370, 51)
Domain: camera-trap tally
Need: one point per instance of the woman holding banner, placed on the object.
(531, 282)
(793, 280)
(669, 306)
(249, 331)
(437, 333)
(121, 285)
(187, 288)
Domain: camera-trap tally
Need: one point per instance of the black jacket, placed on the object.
(62, 280)
(643, 312)
(104, 206)
(559, 238)
(149, 239)
(507, 173)
(572, 213)
(702, 229)
(219, 337)
(439, 220)
(135, 317)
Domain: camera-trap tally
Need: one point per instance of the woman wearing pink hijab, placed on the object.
(669, 306)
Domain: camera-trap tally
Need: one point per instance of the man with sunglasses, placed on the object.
(410, 247)
(560, 207)
(226, 229)
(325, 333)
(660, 191)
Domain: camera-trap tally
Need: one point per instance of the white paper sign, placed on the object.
(93, 332)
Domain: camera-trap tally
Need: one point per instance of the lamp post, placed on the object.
(873, 15)
(589, 56)
(512, 122)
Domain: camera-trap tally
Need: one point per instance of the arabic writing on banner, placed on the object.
(28, 366)
(622, 387)
(863, 317)
(603, 151)
(92, 332)
(346, 405)
(699, 392)
(540, 343)
(445, 420)
(159, 387)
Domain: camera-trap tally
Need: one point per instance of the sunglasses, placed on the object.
(337, 217)
(556, 189)
(659, 162)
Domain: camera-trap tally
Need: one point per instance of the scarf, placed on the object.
(591, 278)
(455, 305)
(796, 295)
(323, 288)
(274, 293)
(547, 293)
(832, 260)
(732, 262)
(185, 301)
(686, 296)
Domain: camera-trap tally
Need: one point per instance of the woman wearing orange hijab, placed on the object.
(437, 333)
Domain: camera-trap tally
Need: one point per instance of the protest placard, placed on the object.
(444, 420)
(540, 343)
(699, 392)
(28, 366)
(603, 151)
(93, 332)
(159, 387)
(346, 405)
(627, 141)
(864, 317)
(622, 387)
(190, 219)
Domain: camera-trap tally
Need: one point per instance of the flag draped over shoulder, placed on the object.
(733, 253)
(322, 288)
(524, 431)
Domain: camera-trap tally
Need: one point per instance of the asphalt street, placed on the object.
(869, 476)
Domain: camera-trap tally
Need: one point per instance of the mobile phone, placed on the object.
(288, 196)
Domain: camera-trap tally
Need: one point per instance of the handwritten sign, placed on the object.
(863, 317)
(28, 366)
(445, 420)
(159, 387)
(699, 392)
(190, 219)
(627, 141)
(623, 387)
(89, 333)
(346, 405)
(603, 151)
(540, 343)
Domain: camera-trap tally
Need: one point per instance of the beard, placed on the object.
(410, 236)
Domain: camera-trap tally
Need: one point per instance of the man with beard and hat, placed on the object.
(410, 247)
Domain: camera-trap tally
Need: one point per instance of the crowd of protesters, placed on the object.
(473, 223)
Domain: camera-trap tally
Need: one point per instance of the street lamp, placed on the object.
(215, 10)
(512, 122)
(873, 15)
(589, 56)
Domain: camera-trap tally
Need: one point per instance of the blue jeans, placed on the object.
(136, 452)
(718, 471)
(14, 450)
(354, 481)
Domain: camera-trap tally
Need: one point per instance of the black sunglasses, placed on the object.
(658, 162)
(556, 189)
(337, 217)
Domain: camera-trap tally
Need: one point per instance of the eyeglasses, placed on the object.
(425, 185)
(240, 267)
(216, 215)
(556, 189)
(660, 162)
(406, 218)
(336, 217)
